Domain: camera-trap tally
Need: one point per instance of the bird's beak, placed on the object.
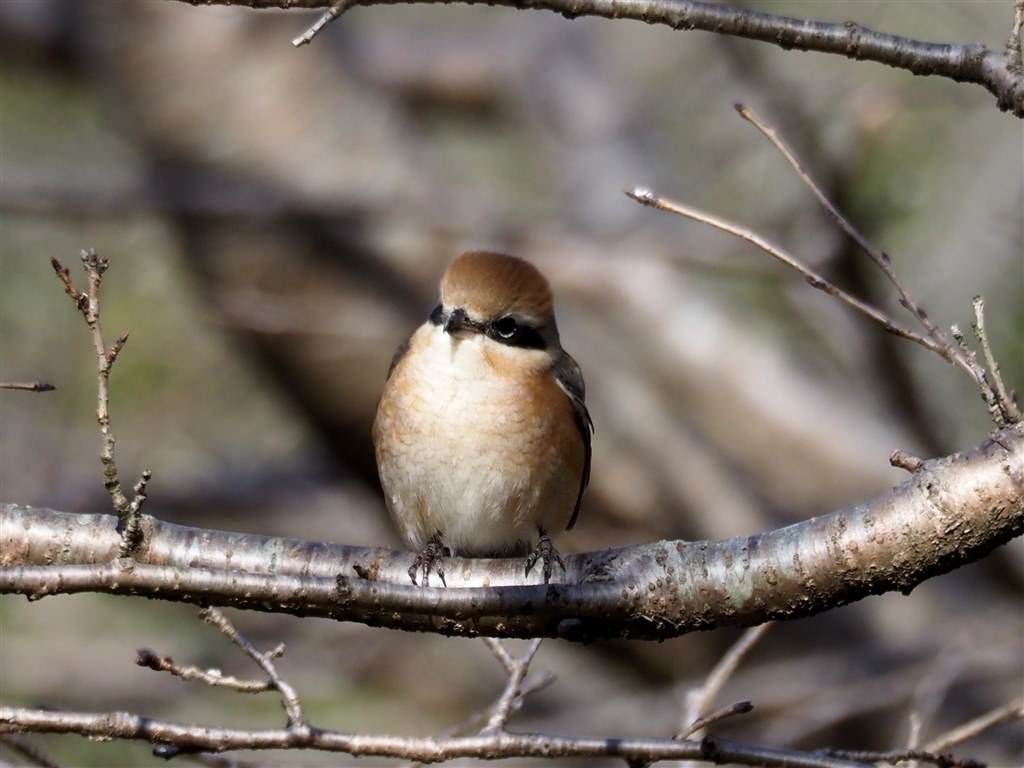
(457, 321)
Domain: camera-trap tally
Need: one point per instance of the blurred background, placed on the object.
(277, 220)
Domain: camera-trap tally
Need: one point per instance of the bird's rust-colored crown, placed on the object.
(488, 285)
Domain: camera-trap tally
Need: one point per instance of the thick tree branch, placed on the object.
(952, 511)
(997, 71)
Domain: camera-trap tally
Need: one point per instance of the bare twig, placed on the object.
(1013, 50)
(957, 354)
(35, 754)
(901, 756)
(1005, 402)
(971, 62)
(146, 657)
(265, 661)
(88, 303)
(513, 693)
(701, 723)
(944, 346)
(998, 716)
(904, 460)
(700, 700)
(1001, 409)
(328, 16)
(124, 725)
(28, 386)
(814, 279)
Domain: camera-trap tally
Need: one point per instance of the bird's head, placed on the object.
(500, 297)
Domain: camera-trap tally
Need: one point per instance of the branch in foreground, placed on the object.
(123, 725)
(996, 71)
(951, 512)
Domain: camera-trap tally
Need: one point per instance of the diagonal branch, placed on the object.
(950, 512)
(265, 661)
(996, 71)
(513, 693)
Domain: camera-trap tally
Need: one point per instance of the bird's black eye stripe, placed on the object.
(508, 330)
(437, 315)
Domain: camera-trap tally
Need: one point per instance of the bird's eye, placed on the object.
(506, 327)
(514, 333)
(437, 315)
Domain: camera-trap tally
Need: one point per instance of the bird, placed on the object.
(482, 435)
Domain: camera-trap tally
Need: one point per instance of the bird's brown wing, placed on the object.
(570, 379)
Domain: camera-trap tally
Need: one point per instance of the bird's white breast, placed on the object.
(472, 449)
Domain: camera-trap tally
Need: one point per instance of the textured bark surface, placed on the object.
(952, 511)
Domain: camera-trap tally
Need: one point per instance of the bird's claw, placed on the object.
(430, 558)
(545, 550)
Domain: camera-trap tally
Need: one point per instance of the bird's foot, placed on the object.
(430, 558)
(545, 550)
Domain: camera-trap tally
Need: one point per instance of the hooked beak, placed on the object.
(457, 321)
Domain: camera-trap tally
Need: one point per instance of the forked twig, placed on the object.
(699, 701)
(265, 661)
(949, 351)
(815, 280)
(88, 303)
(1002, 409)
(513, 693)
(1004, 399)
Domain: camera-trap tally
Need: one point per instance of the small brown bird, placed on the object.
(482, 435)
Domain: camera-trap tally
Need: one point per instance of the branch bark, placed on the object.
(950, 512)
(997, 71)
(124, 725)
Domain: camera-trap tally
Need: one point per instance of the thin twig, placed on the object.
(881, 259)
(32, 752)
(1013, 50)
(904, 460)
(265, 661)
(28, 386)
(815, 280)
(501, 654)
(739, 708)
(1004, 714)
(328, 16)
(146, 657)
(88, 303)
(988, 394)
(901, 756)
(513, 693)
(1006, 404)
(699, 701)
